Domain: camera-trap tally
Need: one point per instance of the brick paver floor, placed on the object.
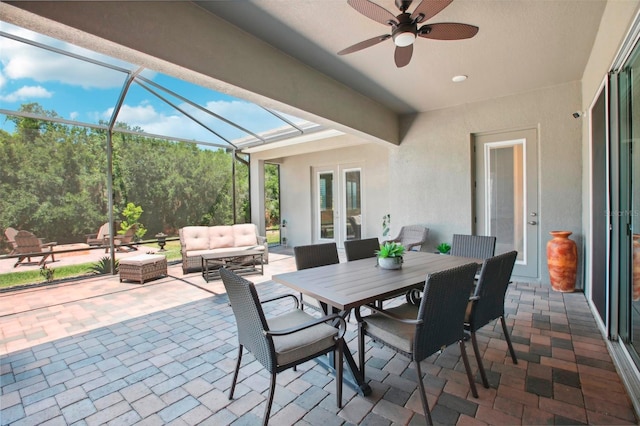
(104, 352)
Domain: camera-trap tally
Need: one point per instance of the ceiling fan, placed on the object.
(404, 27)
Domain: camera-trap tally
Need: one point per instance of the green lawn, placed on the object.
(34, 277)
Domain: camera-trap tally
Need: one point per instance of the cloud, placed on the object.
(23, 61)
(27, 93)
(43, 66)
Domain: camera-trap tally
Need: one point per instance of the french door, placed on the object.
(506, 199)
(337, 203)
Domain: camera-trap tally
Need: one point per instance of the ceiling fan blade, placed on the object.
(372, 11)
(403, 55)
(364, 44)
(448, 31)
(429, 8)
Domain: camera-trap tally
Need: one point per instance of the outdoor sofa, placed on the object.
(221, 240)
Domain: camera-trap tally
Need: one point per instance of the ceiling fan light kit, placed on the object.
(405, 26)
(404, 39)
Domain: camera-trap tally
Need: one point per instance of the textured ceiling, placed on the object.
(522, 45)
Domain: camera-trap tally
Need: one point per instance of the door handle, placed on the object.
(532, 222)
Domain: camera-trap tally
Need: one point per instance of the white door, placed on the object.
(337, 203)
(506, 199)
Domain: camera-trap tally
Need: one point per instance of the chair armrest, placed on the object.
(333, 317)
(394, 240)
(282, 296)
(386, 314)
(410, 246)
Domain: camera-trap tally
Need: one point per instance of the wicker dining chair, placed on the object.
(475, 246)
(420, 331)
(312, 256)
(487, 302)
(282, 341)
(361, 249)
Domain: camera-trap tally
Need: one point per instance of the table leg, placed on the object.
(352, 376)
(205, 269)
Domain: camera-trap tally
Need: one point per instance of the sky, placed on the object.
(82, 91)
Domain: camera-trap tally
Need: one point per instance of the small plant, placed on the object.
(390, 249)
(131, 215)
(103, 266)
(47, 273)
(386, 224)
(444, 248)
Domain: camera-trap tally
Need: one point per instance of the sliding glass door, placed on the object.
(628, 228)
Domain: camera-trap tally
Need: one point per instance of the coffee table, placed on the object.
(241, 262)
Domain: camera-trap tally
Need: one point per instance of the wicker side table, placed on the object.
(142, 267)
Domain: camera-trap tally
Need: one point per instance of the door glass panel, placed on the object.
(325, 203)
(630, 202)
(505, 196)
(353, 204)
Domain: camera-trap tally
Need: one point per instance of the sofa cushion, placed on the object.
(195, 238)
(220, 237)
(245, 234)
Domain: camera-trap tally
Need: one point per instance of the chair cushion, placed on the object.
(220, 237)
(245, 234)
(195, 237)
(303, 343)
(395, 333)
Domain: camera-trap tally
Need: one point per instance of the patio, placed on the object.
(104, 352)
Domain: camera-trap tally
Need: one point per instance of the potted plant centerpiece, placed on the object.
(444, 248)
(390, 255)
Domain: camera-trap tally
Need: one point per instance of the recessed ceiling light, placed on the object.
(459, 78)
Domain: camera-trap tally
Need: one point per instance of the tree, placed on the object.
(272, 194)
(53, 180)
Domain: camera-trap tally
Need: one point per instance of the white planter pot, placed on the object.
(390, 262)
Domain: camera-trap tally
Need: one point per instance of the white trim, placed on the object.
(603, 88)
(487, 188)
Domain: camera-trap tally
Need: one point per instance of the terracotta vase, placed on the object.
(562, 259)
(636, 267)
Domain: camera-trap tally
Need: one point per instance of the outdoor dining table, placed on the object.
(348, 285)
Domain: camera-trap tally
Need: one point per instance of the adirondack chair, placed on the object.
(99, 238)
(28, 246)
(124, 242)
(10, 233)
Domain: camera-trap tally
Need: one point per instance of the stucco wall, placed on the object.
(427, 180)
(432, 167)
(296, 187)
